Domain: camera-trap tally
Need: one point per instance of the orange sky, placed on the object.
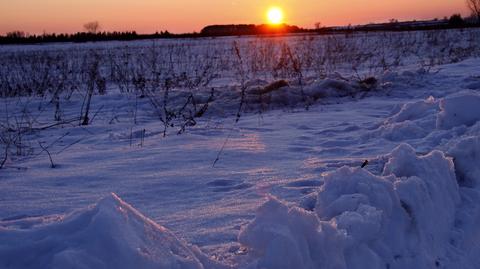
(147, 16)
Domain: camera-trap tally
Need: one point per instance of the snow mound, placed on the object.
(111, 234)
(401, 219)
(412, 121)
(461, 109)
(400, 131)
(415, 110)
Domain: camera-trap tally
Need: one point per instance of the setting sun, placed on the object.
(275, 15)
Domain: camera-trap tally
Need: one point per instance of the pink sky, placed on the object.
(147, 16)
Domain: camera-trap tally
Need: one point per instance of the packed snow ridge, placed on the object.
(421, 211)
(110, 234)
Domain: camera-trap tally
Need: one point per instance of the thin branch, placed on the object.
(52, 165)
(223, 147)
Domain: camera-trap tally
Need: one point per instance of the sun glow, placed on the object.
(275, 15)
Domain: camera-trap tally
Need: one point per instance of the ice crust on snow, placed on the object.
(110, 234)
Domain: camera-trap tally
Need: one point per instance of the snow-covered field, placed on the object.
(365, 153)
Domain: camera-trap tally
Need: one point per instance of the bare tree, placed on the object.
(474, 6)
(92, 27)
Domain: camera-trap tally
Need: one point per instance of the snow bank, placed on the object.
(111, 234)
(401, 219)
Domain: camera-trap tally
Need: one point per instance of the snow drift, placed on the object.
(437, 118)
(404, 218)
(110, 234)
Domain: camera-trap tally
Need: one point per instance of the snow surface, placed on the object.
(288, 190)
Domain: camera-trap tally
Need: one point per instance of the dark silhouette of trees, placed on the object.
(248, 29)
(16, 34)
(456, 20)
(474, 6)
(19, 37)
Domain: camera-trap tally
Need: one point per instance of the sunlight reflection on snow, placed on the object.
(247, 142)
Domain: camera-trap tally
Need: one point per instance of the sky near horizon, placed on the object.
(148, 16)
